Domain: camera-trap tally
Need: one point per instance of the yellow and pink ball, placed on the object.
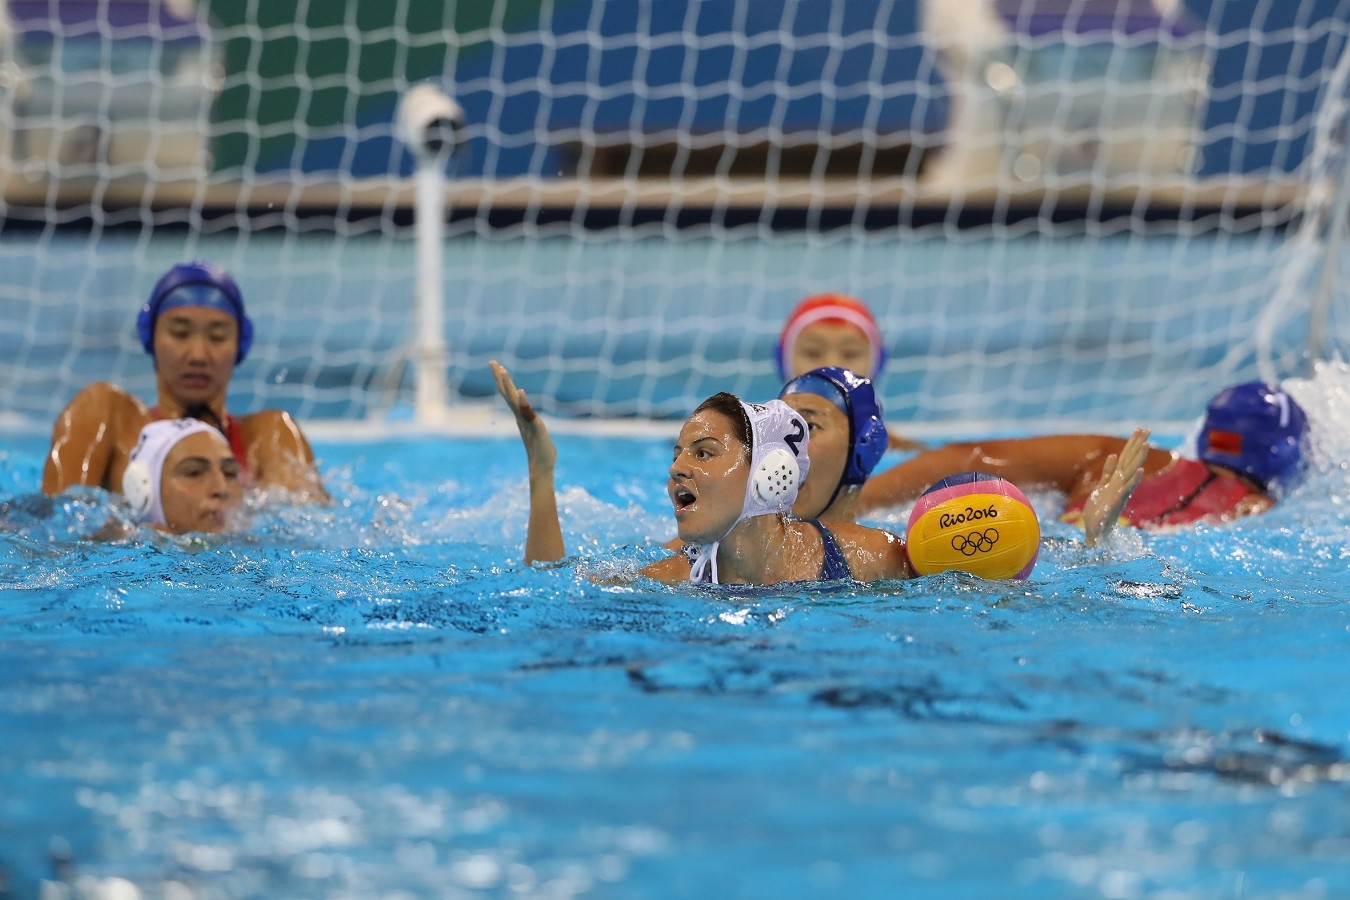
(974, 522)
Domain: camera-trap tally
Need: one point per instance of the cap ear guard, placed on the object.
(194, 273)
(869, 446)
(138, 487)
(145, 326)
(777, 478)
(778, 456)
(245, 338)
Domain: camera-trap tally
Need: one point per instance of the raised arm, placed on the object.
(1121, 474)
(543, 536)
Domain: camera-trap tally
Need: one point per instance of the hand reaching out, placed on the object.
(1121, 474)
(543, 536)
(539, 447)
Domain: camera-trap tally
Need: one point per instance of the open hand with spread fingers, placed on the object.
(543, 538)
(539, 447)
(1121, 474)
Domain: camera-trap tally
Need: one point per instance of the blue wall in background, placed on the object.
(553, 70)
(535, 88)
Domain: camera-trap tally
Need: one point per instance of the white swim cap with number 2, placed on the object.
(778, 466)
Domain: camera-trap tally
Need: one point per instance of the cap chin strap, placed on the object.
(833, 497)
(702, 558)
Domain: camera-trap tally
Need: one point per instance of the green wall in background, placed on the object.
(300, 73)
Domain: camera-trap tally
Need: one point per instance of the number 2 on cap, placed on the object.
(792, 440)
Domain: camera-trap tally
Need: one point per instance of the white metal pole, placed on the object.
(432, 358)
(1335, 243)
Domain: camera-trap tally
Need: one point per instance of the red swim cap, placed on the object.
(834, 308)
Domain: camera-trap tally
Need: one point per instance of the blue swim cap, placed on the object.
(856, 398)
(1254, 429)
(195, 283)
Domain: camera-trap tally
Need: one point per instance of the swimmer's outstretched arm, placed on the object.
(1068, 463)
(1121, 474)
(543, 536)
(905, 445)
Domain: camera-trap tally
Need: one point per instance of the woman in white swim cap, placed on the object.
(183, 478)
(735, 474)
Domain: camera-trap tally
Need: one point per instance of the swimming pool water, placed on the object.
(376, 700)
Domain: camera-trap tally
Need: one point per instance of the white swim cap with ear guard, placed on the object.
(778, 466)
(142, 478)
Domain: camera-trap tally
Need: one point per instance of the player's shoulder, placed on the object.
(266, 418)
(873, 553)
(268, 423)
(109, 402)
(851, 533)
(673, 568)
(107, 392)
(275, 430)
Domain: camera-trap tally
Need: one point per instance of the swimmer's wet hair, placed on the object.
(730, 406)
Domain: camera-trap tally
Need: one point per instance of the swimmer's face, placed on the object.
(829, 452)
(830, 344)
(199, 487)
(707, 478)
(195, 351)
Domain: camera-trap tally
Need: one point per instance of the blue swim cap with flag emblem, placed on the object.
(1254, 429)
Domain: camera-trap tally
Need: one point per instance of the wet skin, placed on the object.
(707, 478)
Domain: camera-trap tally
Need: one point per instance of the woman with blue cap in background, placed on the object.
(848, 439)
(195, 328)
(1250, 451)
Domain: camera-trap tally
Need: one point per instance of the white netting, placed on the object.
(1057, 208)
(1311, 288)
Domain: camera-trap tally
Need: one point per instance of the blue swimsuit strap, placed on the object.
(835, 567)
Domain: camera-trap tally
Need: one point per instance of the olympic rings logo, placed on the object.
(975, 542)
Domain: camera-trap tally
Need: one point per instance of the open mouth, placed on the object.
(683, 498)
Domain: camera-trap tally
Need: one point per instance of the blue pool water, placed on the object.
(377, 700)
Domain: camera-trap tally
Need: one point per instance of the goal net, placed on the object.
(1057, 209)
